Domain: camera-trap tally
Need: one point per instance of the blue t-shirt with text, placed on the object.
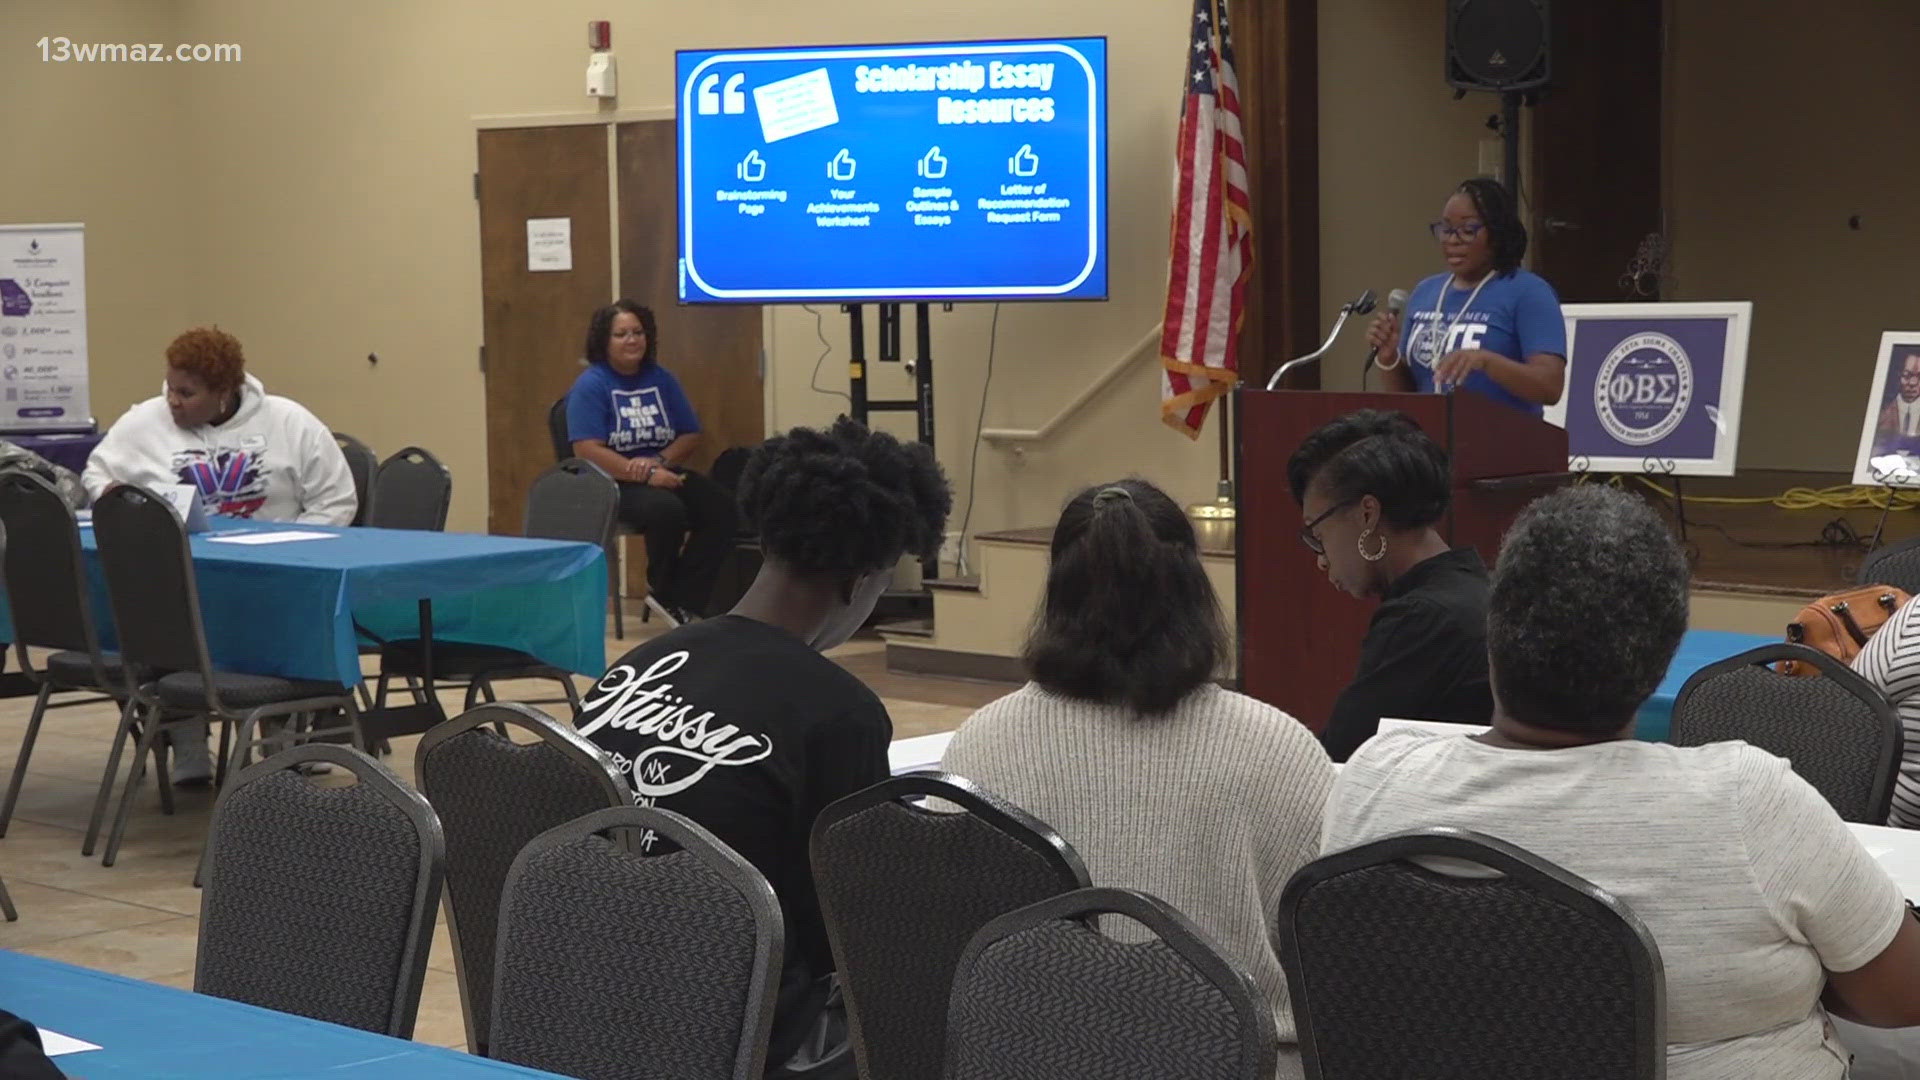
(635, 415)
(1516, 315)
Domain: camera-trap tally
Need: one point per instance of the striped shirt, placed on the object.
(1891, 661)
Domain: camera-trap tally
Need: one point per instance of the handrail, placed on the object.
(1148, 343)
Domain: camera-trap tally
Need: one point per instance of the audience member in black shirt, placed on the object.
(21, 1057)
(738, 722)
(1371, 486)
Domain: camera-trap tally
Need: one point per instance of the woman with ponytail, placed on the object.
(1122, 742)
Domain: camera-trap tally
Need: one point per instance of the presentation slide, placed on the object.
(962, 171)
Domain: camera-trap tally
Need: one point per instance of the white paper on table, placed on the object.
(283, 536)
(54, 1044)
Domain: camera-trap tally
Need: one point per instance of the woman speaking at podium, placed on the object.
(1485, 325)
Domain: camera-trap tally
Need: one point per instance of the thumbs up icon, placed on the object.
(752, 168)
(934, 165)
(841, 167)
(1024, 161)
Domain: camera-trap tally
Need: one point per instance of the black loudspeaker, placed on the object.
(1499, 44)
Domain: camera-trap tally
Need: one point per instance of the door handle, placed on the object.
(1554, 225)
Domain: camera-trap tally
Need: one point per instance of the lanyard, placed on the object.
(1441, 342)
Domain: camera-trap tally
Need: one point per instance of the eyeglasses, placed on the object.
(1443, 231)
(1311, 538)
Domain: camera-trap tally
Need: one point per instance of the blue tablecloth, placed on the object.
(1698, 649)
(290, 609)
(152, 1032)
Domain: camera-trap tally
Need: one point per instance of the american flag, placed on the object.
(1212, 232)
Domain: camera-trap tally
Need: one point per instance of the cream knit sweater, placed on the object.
(1210, 808)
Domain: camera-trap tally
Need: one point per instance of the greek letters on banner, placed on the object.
(43, 328)
(1654, 387)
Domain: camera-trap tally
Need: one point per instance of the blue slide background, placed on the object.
(783, 255)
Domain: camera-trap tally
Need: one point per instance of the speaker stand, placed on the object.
(1510, 101)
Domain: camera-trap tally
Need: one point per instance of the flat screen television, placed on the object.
(958, 171)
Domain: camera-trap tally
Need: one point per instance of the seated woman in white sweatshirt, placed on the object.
(1160, 779)
(251, 454)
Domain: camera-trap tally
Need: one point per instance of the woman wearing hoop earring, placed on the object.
(1371, 487)
(1487, 324)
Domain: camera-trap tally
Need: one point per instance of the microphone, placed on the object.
(1396, 303)
(1360, 305)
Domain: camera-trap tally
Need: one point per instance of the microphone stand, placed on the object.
(1362, 305)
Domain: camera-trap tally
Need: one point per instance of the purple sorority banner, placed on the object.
(1646, 387)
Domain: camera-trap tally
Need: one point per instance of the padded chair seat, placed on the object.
(186, 690)
(75, 670)
(454, 659)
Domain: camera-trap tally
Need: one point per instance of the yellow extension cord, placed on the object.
(1837, 497)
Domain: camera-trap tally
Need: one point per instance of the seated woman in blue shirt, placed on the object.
(1486, 325)
(628, 415)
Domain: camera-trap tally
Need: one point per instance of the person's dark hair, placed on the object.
(600, 330)
(1382, 454)
(845, 499)
(1589, 603)
(1129, 617)
(1506, 233)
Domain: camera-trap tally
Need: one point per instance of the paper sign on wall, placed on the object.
(549, 244)
(43, 328)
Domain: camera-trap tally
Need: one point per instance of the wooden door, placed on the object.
(536, 321)
(1596, 161)
(714, 349)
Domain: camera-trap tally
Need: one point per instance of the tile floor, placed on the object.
(140, 917)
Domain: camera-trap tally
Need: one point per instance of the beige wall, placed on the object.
(315, 198)
(102, 144)
(1782, 127)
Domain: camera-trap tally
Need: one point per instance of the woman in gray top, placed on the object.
(1161, 780)
(1764, 906)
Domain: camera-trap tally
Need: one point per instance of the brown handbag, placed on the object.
(1839, 625)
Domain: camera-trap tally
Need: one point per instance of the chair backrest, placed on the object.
(1896, 564)
(412, 490)
(1399, 969)
(494, 795)
(557, 430)
(1838, 730)
(572, 501)
(43, 570)
(150, 582)
(903, 888)
(1042, 993)
(319, 898)
(363, 464)
(670, 963)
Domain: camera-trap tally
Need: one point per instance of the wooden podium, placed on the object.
(1299, 637)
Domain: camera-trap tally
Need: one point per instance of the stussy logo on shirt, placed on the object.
(639, 419)
(231, 482)
(689, 746)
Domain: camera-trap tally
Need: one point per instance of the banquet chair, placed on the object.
(1896, 564)
(1839, 732)
(1042, 994)
(596, 936)
(904, 887)
(1445, 953)
(155, 599)
(412, 490)
(570, 501)
(363, 464)
(320, 897)
(493, 796)
(45, 577)
(616, 533)
(6, 904)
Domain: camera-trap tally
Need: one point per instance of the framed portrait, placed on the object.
(1654, 388)
(1889, 454)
